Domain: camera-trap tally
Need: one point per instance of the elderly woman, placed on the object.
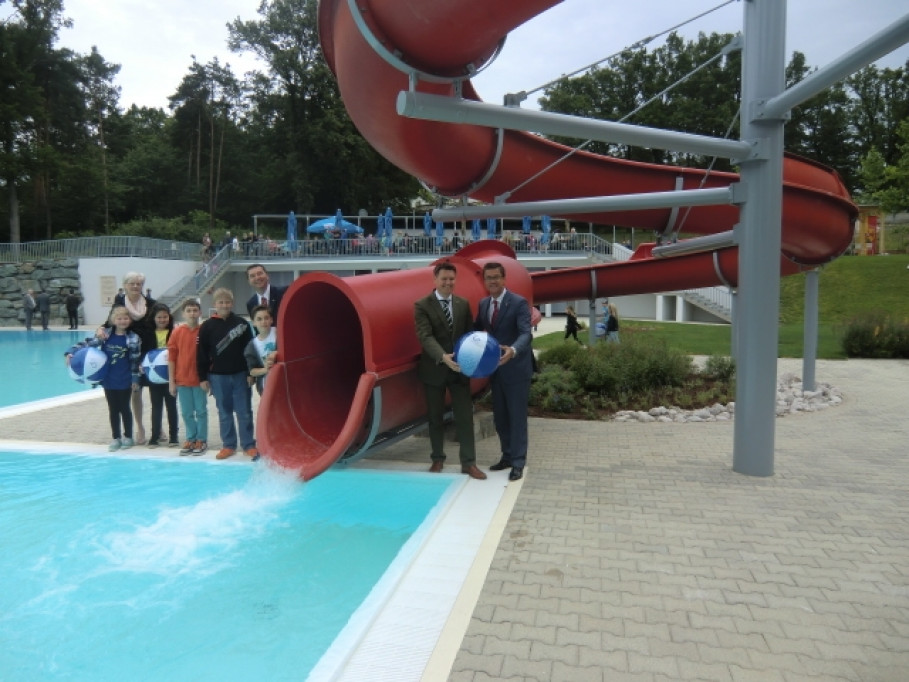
(139, 307)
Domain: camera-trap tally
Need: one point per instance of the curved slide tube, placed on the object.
(323, 402)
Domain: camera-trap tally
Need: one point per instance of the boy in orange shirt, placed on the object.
(184, 379)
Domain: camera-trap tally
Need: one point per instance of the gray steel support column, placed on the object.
(592, 323)
(809, 351)
(763, 67)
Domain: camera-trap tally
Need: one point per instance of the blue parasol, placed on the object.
(292, 231)
(525, 224)
(389, 232)
(427, 224)
(475, 230)
(547, 227)
(490, 228)
(332, 225)
(440, 233)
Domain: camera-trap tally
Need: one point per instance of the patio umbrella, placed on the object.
(388, 228)
(332, 225)
(440, 233)
(427, 224)
(380, 226)
(291, 231)
(475, 230)
(547, 227)
(525, 224)
(490, 228)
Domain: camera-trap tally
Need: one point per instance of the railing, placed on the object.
(99, 247)
(717, 300)
(207, 274)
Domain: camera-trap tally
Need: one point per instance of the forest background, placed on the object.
(73, 162)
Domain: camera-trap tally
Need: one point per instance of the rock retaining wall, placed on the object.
(53, 276)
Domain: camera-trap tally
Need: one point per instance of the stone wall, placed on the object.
(53, 276)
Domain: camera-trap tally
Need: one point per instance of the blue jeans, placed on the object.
(233, 395)
(194, 408)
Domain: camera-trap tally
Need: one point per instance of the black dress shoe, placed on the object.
(500, 465)
(517, 473)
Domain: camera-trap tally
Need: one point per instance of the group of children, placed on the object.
(220, 356)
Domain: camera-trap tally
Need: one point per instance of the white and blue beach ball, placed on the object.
(478, 354)
(155, 365)
(88, 365)
(600, 330)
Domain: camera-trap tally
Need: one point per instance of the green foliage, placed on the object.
(561, 353)
(719, 367)
(876, 335)
(554, 390)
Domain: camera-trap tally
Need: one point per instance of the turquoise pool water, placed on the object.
(32, 364)
(145, 569)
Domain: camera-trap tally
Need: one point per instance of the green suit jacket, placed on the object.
(436, 339)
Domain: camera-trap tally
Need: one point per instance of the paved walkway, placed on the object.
(635, 553)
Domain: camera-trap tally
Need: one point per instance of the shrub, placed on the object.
(560, 354)
(554, 389)
(719, 367)
(875, 335)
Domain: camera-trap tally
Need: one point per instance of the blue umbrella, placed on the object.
(427, 224)
(475, 230)
(490, 228)
(291, 231)
(388, 229)
(332, 225)
(440, 233)
(525, 224)
(380, 226)
(547, 226)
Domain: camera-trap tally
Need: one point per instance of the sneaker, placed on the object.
(114, 445)
(199, 447)
(224, 453)
(153, 443)
(187, 448)
(252, 452)
(173, 444)
(126, 443)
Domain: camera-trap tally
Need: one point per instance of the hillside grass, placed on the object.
(848, 287)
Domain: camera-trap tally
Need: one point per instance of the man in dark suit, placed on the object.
(43, 301)
(441, 318)
(265, 294)
(506, 316)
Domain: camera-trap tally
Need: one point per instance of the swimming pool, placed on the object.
(33, 364)
(174, 569)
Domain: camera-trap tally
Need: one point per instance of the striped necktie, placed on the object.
(446, 306)
(264, 301)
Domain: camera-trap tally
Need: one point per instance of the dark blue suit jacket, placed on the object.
(274, 302)
(512, 328)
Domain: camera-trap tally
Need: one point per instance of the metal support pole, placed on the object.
(809, 352)
(763, 68)
(592, 323)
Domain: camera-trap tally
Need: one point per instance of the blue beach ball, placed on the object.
(88, 365)
(478, 354)
(155, 365)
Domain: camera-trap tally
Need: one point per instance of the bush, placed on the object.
(554, 390)
(875, 335)
(560, 354)
(719, 367)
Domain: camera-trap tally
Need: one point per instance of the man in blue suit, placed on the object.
(506, 316)
(265, 293)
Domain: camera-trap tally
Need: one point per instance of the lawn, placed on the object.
(848, 287)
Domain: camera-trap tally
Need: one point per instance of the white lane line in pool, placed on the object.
(425, 612)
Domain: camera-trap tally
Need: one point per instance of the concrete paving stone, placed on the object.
(740, 674)
(510, 616)
(640, 663)
(575, 673)
(483, 664)
(607, 626)
(538, 670)
(717, 672)
(722, 654)
(611, 660)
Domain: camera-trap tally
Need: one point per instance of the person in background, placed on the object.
(160, 394)
(123, 351)
(29, 305)
(441, 318)
(72, 301)
(183, 380)
(43, 302)
(505, 315)
(612, 323)
(222, 369)
(571, 324)
(260, 353)
(264, 292)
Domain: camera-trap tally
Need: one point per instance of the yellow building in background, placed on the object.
(869, 233)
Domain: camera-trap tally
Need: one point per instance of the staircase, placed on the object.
(205, 278)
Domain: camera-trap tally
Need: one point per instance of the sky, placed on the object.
(155, 47)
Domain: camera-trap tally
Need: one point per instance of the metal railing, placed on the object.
(99, 247)
(717, 300)
(204, 278)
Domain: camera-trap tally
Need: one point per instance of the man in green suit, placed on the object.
(441, 319)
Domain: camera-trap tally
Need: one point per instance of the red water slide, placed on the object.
(328, 399)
